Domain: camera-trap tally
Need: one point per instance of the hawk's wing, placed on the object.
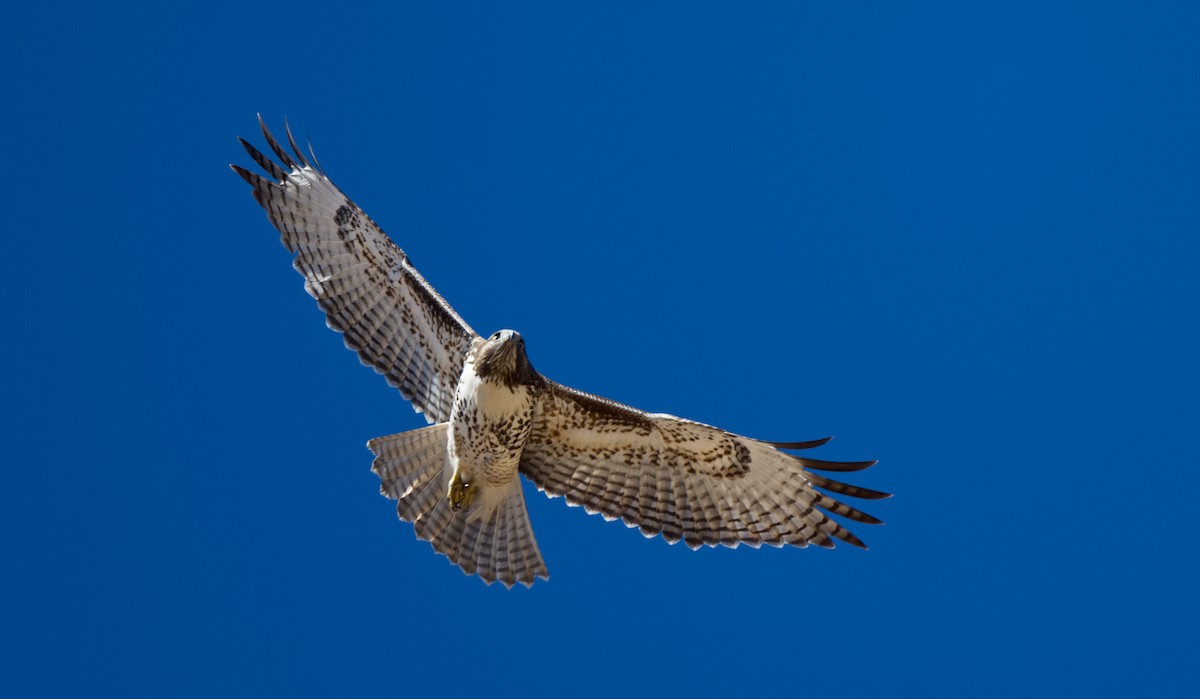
(365, 284)
(684, 479)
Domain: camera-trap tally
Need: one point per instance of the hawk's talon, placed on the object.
(461, 493)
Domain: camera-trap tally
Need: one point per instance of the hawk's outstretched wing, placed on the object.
(365, 284)
(684, 479)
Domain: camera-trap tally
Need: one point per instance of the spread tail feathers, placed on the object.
(496, 546)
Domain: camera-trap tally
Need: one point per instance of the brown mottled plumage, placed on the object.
(494, 416)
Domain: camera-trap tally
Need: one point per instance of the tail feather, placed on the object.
(500, 545)
(401, 457)
(496, 543)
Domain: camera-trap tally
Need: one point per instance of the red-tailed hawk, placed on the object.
(494, 417)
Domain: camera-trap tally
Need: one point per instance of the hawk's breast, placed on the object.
(489, 424)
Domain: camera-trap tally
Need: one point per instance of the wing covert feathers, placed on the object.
(411, 468)
(365, 284)
(685, 480)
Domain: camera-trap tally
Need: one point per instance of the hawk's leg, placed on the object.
(461, 493)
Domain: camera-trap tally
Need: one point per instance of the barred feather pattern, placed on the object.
(684, 480)
(365, 284)
(411, 468)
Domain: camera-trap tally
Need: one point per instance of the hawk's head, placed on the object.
(502, 358)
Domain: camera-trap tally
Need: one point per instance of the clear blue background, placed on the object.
(961, 237)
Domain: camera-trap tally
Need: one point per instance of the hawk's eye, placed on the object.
(496, 335)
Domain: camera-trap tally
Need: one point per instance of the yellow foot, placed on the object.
(461, 494)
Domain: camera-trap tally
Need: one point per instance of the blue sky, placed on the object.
(963, 240)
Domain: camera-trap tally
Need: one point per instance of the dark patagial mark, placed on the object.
(607, 410)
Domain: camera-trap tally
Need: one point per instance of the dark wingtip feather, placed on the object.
(292, 142)
(278, 149)
(263, 161)
(250, 177)
(313, 154)
(800, 445)
(843, 510)
(261, 186)
(865, 518)
(847, 536)
(847, 489)
(840, 466)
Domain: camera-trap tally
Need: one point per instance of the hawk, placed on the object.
(493, 417)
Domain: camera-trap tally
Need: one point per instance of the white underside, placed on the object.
(480, 449)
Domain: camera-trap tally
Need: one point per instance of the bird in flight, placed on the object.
(494, 418)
